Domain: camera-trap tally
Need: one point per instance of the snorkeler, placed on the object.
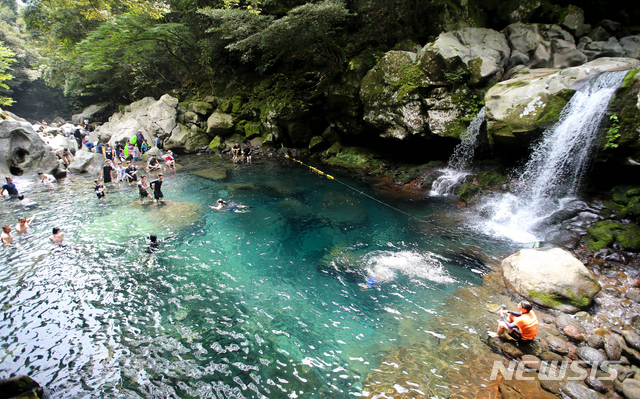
(224, 205)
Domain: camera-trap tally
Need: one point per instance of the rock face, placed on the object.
(152, 118)
(86, 162)
(95, 113)
(533, 98)
(22, 150)
(551, 278)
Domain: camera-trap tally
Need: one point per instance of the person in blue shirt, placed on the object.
(11, 189)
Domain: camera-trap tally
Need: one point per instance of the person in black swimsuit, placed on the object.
(156, 185)
(99, 189)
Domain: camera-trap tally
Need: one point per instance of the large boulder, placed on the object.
(391, 104)
(550, 277)
(147, 115)
(532, 99)
(94, 113)
(22, 150)
(185, 140)
(60, 141)
(219, 124)
(86, 162)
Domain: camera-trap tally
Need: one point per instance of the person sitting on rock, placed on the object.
(521, 324)
(235, 151)
(153, 163)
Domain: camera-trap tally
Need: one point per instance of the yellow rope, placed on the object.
(321, 173)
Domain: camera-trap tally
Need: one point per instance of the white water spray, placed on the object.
(460, 159)
(557, 165)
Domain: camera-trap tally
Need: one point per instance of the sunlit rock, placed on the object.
(212, 174)
(552, 278)
(22, 150)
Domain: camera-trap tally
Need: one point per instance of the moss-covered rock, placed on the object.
(216, 144)
(469, 192)
(333, 150)
(491, 179)
(253, 130)
(352, 157)
(606, 233)
(317, 143)
(200, 107)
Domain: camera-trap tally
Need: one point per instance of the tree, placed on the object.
(6, 59)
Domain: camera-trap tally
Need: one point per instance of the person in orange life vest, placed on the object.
(521, 324)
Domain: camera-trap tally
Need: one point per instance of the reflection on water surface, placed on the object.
(272, 303)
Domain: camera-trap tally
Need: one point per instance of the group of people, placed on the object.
(22, 228)
(237, 151)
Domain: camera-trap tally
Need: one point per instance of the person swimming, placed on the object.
(222, 205)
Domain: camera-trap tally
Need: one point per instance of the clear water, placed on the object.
(264, 304)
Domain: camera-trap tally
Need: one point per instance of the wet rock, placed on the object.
(559, 346)
(591, 356)
(573, 333)
(523, 389)
(631, 388)
(20, 386)
(631, 338)
(575, 390)
(551, 277)
(635, 322)
(511, 351)
(612, 347)
(212, 174)
(565, 320)
(531, 362)
(595, 341)
(551, 357)
(633, 294)
(552, 385)
(596, 384)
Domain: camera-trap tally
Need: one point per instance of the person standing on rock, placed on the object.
(139, 138)
(143, 186)
(156, 185)
(521, 324)
(107, 151)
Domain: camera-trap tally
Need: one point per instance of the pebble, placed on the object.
(633, 295)
(595, 341)
(596, 384)
(590, 355)
(612, 348)
(565, 320)
(575, 390)
(572, 333)
(631, 338)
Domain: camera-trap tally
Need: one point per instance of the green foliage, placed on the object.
(305, 35)
(612, 132)
(411, 78)
(6, 59)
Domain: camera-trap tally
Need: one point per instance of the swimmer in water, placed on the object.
(7, 238)
(23, 225)
(224, 205)
(58, 237)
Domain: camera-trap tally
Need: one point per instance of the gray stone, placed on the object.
(631, 46)
(596, 384)
(609, 25)
(631, 388)
(86, 162)
(612, 48)
(576, 390)
(550, 32)
(523, 38)
(612, 347)
(190, 117)
(219, 124)
(22, 150)
(631, 338)
(595, 341)
(599, 34)
(95, 113)
(186, 140)
(573, 20)
(559, 346)
(517, 58)
(565, 54)
(633, 294)
(591, 356)
(200, 107)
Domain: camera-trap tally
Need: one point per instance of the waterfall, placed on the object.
(460, 159)
(558, 163)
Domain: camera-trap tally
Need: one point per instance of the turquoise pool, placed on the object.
(272, 303)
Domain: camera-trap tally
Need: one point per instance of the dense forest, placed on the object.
(120, 51)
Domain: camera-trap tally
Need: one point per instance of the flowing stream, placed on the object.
(556, 167)
(461, 158)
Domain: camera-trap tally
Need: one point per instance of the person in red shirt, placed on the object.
(521, 324)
